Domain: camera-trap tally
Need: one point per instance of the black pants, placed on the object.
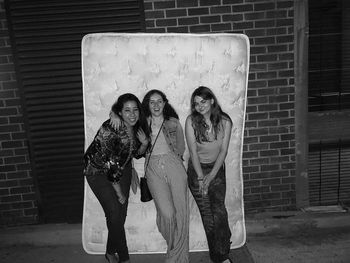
(114, 211)
(213, 211)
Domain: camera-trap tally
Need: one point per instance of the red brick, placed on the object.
(8, 112)
(254, 51)
(242, 25)
(11, 144)
(210, 19)
(156, 30)
(164, 4)
(232, 18)
(187, 3)
(277, 48)
(277, 14)
(265, 23)
(276, 31)
(188, 21)
(166, 22)
(17, 175)
(242, 8)
(285, 4)
(154, 14)
(198, 11)
(10, 198)
(270, 167)
(200, 29)
(147, 6)
(180, 29)
(220, 27)
(228, 2)
(209, 2)
(21, 205)
(19, 190)
(175, 13)
(271, 182)
(220, 9)
(284, 22)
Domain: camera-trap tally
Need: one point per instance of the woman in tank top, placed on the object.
(208, 132)
(166, 174)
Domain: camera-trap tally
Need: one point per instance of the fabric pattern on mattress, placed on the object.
(113, 64)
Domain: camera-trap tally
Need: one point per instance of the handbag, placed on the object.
(145, 193)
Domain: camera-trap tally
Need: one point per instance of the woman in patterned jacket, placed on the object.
(108, 169)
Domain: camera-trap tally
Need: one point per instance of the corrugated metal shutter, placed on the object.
(329, 170)
(329, 55)
(46, 37)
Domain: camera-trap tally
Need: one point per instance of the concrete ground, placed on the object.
(271, 238)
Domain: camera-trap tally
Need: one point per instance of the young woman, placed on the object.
(166, 175)
(108, 169)
(208, 132)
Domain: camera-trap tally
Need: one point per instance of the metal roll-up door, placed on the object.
(329, 169)
(46, 39)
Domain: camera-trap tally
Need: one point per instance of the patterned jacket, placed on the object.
(109, 151)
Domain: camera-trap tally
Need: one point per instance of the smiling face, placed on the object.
(156, 105)
(130, 113)
(203, 106)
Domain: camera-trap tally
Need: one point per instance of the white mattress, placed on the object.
(113, 64)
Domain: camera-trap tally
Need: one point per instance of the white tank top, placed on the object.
(161, 146)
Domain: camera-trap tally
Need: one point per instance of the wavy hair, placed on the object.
(216, 115)
(168, 110)
(142, 122)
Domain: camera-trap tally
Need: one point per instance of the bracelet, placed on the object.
(200, 179)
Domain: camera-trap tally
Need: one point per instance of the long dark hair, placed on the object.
(216, 115)
(168, 110)
(142, 122)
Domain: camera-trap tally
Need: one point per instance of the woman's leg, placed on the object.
(168, 184)
(213, 212)
(114, 211)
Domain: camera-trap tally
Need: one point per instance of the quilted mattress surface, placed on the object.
(116, 63)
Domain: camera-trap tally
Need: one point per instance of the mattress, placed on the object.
(116, 63)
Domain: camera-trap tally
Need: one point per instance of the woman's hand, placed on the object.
(115, 121)
(118, 190)
(206, 182)
(141, 136)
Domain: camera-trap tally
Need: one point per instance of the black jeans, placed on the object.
(114, 211)
(213, 211)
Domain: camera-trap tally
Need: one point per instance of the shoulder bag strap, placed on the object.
(161, 126)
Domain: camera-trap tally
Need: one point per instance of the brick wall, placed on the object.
(17, 194)
(269, 142)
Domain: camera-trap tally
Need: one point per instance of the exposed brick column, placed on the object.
(17, 193)
(269, 141)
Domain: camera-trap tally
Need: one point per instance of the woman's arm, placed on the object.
(222, 155)
(180, 139)
(192, 147)
(141, 136)
(115, 121)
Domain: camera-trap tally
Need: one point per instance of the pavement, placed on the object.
(285, 237)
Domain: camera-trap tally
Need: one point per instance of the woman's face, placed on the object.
(130, 113)
(156, 105)
(203, 106)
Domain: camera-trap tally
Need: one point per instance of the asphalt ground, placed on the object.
(271, 237)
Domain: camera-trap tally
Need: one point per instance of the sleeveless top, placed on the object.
(209, 151)
(161, 146)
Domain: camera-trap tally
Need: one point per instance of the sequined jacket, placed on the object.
(109, 151)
